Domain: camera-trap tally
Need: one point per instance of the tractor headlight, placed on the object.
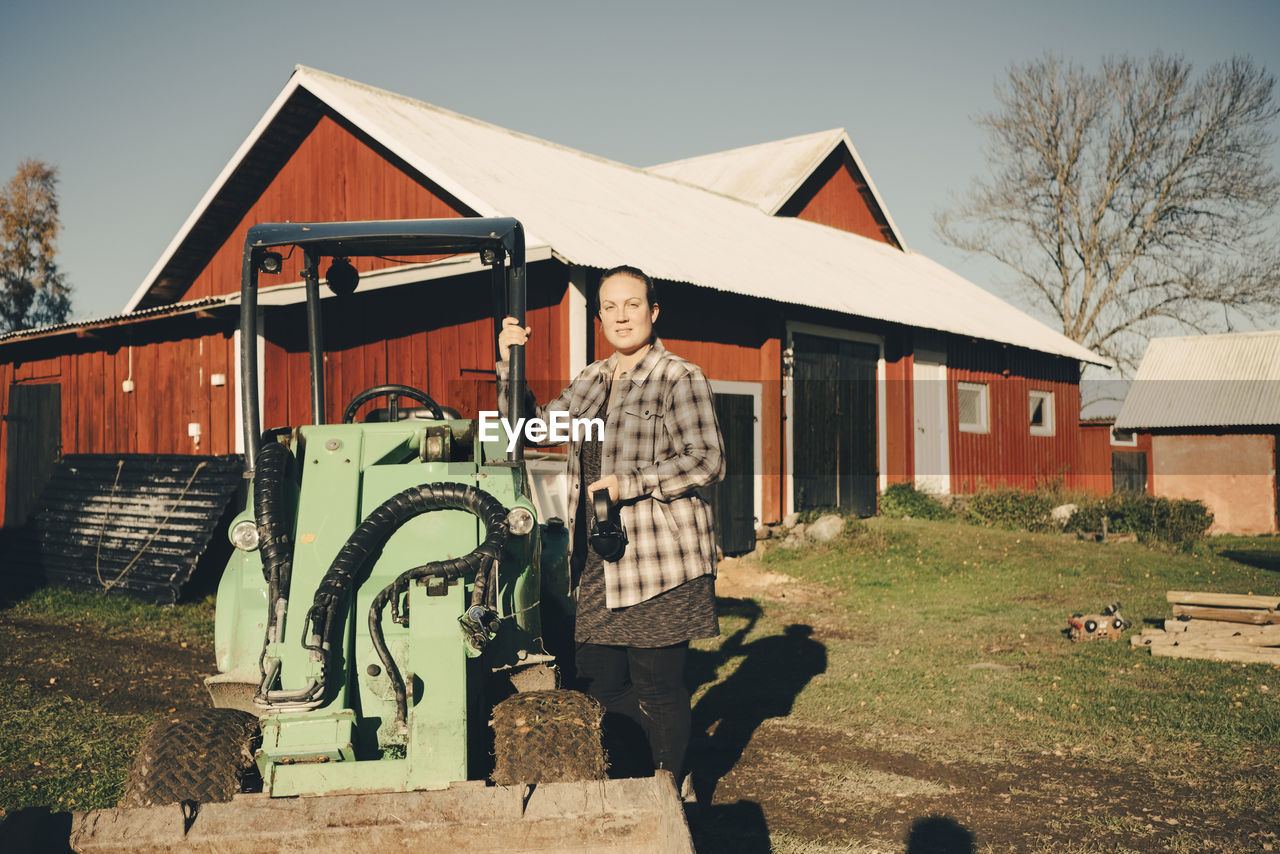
(520, 521)
(244, 535)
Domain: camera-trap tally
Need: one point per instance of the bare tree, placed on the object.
(1131, 200)
(33, 292)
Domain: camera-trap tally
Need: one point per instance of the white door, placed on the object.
(929, 399)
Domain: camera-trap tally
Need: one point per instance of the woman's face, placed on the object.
(625, 313)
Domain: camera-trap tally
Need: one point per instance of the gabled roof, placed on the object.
(598, 213)
(769, 174)
(1230, 380)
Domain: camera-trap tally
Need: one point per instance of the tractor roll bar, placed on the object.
(503, 235)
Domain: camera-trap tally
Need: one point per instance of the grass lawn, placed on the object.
(82, 678)
(954, 644)
(946, 665)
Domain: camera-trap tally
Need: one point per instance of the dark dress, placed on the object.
(678, 615)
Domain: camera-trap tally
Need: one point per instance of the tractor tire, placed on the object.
(547, 737)
(202, 756)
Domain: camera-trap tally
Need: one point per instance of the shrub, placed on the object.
(903, 499)
(813, 514)
(1019, 509)
(1178, 522)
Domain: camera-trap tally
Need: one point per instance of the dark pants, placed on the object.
(645, 687)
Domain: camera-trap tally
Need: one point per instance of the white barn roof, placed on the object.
(769, 174)
(1230, 380)
(597, 213)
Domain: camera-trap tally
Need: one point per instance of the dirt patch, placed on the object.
(122, 674)
(814, 784)
(743, 578)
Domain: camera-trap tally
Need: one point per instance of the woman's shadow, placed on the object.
(771, 673)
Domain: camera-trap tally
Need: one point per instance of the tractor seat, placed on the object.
(414, 413)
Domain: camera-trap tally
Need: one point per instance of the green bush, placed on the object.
(1178, 522)
(902, 499)
(1018, 509)
(812, 514)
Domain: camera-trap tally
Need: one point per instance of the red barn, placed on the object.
(842, 361)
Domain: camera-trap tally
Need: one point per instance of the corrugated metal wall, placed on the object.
(1007, 454)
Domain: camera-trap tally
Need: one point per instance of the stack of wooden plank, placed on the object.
(1217, 626)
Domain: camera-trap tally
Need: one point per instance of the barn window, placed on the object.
(972, 400)
(1124, 438)
(1042, 413)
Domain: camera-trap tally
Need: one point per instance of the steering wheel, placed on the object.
(393, 393)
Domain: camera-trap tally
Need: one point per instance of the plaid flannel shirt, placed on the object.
(662, 441)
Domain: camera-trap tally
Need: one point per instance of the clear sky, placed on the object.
(141, 104)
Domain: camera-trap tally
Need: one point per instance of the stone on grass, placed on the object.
(1062, 514)
(789, 521)
(827, 528)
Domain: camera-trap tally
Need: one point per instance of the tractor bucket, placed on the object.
(630, 816)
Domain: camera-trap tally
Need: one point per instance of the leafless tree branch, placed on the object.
(1132, 199)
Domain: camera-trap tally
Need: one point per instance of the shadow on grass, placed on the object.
(772, 672)
(938, 834)
(1262, 558)
(36, 829)
(17, 548)
(738, 828)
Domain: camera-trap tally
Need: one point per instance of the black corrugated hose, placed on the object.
(275, 531)
(373, 533)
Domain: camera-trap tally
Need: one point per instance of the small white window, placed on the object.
(972, 403)
(1042, 423)
(1124, 438)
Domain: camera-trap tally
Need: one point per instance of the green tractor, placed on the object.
(389, 595)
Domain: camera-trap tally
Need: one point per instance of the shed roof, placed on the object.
(1229, 380)
(597, 213)
(769, 174)
(88, 325)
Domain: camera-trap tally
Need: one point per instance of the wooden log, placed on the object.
(1256, 616)
(1155, 638)
(1223, 600)
(1214, 642)
(1244, 654)
(1220, 628)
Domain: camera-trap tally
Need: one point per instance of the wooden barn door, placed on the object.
(34, 429)
(1128, 471)
(733, 499)
(833, 428)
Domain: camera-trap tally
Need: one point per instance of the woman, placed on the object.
(661, 443)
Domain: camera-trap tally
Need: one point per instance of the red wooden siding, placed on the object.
(837, 195)
(173, 362)
(334, 175)
(436, 336)
(899, 408)
(1094, 474)
(1008, 455)
(1095, 459)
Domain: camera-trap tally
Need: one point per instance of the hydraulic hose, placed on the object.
(336, 586)
(275, 531)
